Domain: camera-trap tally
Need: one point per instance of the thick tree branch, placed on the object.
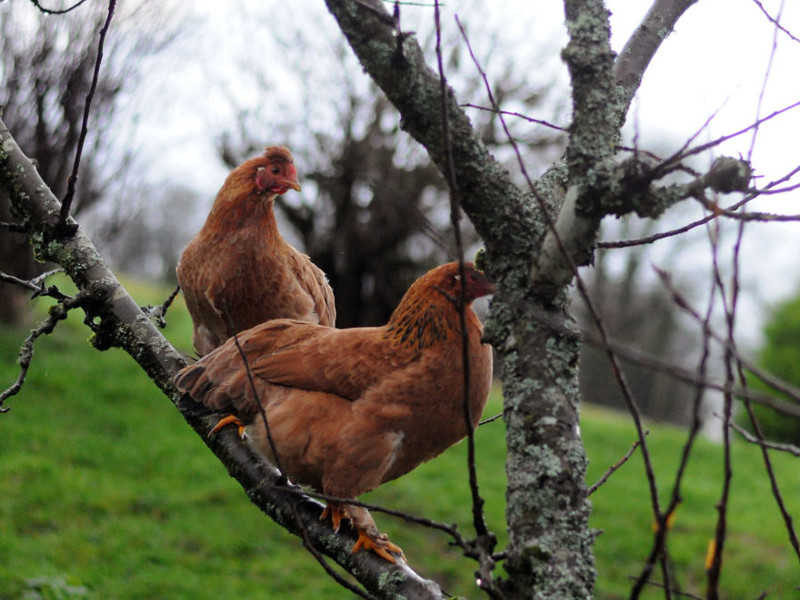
(496, 207)
(602, 90)
(121, 323)
(550, 547)
(643, 44)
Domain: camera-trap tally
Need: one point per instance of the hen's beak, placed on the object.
(292, 184)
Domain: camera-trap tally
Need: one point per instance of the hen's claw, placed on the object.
(227, 421)
(336, 513)
(369, 537)
(379, 544)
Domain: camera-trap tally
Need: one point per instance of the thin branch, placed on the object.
(675, 232)
(774, 382)
(256, 395)
(759, 441)
(159, 313)
(519, 115)
(73, 178)
(55, 315)
(485, 541)
(767, 73)
(308, 545)
(36, 285)
(662, 523)
(50, 11)
(775, 22)
(714, 570)
(613, 468)
(491, 419)
(684, 154)
(759, 217)
(660, 585)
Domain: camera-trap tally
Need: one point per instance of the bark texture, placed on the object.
(550, 548)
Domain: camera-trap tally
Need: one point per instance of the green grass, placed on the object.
(106, 493)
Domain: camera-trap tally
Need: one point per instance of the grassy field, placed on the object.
(105, 493)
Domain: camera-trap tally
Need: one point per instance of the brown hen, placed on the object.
(349, 409)
(239, 269)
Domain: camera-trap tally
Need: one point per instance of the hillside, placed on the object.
(106, 493)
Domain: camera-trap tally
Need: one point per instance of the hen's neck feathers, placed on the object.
(425, 317)
(239, 203)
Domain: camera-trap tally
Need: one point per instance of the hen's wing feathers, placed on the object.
(294, 354)
(344, 362)
(315, 283)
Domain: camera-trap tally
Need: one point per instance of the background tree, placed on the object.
(376, 212)
(46, 67)
(536, 237)
(779, 355)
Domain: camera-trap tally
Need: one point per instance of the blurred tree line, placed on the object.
(46, 68)
(780, 356)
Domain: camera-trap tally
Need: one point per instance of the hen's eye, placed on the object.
(276, 170)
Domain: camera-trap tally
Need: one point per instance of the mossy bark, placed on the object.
(550, 550)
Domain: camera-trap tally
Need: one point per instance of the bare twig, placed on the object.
(771, 380)
(321, 560)
(787, 518)
(759, 441)
(776, 22)
(50, 11)
(36, 284)
(680, 593)
(613, 468)
(767, 73)
(684, 154)
(252, 383)
(491, 419)
(159, 313)
(57, 313)
(485, 540)
(714, 570)
(674, 232)
(73, 178)
(516, 114)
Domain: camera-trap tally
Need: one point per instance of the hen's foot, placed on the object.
(227, 421)
(379, 543)
(336, 513)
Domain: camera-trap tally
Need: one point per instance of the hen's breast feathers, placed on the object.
(253, 276)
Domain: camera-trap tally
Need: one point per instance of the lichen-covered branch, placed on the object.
(118, 321)
(497, 208)
(602, 90)
(550, 549)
